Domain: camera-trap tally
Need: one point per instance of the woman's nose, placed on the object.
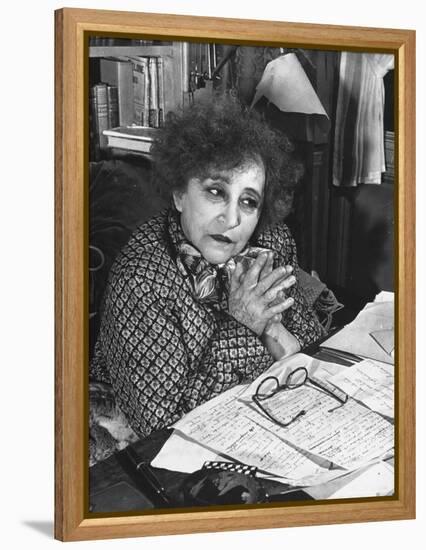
(231, 216)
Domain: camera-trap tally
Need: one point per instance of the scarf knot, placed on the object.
(209, 282)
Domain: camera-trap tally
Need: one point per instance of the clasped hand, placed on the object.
(257, 296)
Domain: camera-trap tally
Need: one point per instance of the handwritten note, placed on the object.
(371, 383)
(223, 425)
(347, 435)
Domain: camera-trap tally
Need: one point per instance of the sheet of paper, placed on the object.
(375, 481)
(348, 435)
(357, 336)
(371, 383)
(231, 426)
(182, 454)
(223, 425)
(384, 296)
(282, 368)
(325, 370)
(385, 339)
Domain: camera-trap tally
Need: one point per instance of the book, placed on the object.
(132, 138)
(129, 144)
(99, 108)
(113, 118)
(161, 103)
(133, 132)
(117, 71)
(140, 79)
(153, 93)
(93, 127)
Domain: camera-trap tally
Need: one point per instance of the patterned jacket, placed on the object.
(163, 351)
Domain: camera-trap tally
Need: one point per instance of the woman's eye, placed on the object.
(215, 192)
(250, 203)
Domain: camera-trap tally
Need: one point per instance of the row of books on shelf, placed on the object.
(130, 94)
(140, 83)
(105, 130)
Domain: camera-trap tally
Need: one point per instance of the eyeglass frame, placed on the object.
(287, 386)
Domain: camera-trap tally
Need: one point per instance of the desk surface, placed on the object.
(115, 486)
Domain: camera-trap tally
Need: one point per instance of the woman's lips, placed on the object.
(221, 239)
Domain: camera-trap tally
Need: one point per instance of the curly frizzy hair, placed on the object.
(222, 134)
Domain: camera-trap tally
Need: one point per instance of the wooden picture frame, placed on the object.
(72, 522)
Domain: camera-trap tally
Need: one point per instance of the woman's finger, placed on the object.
(268, 267)
(278, 287)
(235, 278)
(279, 308)
(288, 270)
(251, 277)
(275, 277)
(280, 297)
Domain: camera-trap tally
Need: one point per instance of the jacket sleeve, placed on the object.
(300, 319)
(144, 356)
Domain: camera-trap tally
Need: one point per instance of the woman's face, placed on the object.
(220, 213)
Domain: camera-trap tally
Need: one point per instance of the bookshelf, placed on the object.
(162, 67)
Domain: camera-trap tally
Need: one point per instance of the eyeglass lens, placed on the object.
(296, 378)
(270, 385)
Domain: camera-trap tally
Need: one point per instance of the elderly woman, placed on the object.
(205, 295)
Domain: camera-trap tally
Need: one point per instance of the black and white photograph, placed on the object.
(242, 257)
(211, 315)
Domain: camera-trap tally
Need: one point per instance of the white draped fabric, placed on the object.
(359, 155)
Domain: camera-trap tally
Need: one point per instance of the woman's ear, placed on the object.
(177, 199)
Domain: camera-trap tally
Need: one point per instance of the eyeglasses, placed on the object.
(270, 386)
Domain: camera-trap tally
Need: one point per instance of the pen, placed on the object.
(147, 476)
(342, 354)
(332, 358)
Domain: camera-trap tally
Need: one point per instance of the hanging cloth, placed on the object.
(359, 155)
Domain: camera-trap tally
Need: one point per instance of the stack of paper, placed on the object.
(371, 383)
(371, 333)
(328, 435)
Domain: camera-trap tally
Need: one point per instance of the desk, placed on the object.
(115, 486)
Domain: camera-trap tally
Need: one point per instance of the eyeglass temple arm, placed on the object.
(337, 393)
(282, 424)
